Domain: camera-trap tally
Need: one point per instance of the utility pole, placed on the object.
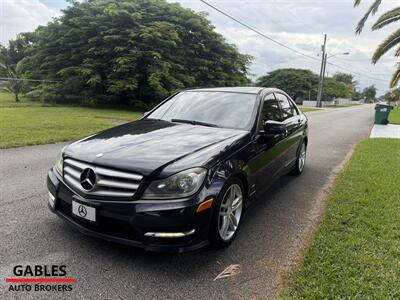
(322, 73)
(323, 78)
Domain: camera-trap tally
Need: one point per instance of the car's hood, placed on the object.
(147, 145)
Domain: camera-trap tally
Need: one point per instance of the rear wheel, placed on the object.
(301, 160)
(227, 214)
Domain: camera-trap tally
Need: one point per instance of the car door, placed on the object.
(266, 152)
(292, 120)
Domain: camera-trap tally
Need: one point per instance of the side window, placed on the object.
(286, 106)
(271, 110)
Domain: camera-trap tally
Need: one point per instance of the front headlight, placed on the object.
(59, 166)
(180, 185)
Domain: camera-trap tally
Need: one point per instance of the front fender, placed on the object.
(225, 170)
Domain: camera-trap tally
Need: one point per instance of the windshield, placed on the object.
(231, 110)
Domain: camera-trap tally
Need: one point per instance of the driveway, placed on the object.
(266, 247)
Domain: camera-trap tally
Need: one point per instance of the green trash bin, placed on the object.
(382, 111)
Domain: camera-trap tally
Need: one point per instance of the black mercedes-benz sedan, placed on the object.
(182, 176)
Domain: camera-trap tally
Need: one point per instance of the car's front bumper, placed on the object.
(153, 225)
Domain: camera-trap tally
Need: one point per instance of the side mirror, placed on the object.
(275, 128)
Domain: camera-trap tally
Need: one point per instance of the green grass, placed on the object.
(356, 250)
(7, 100)
(341, 106)
(30, 123)
(335, 106)
(394, 116)
(306, 109)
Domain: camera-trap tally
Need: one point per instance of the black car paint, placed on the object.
(157, 149)
(149, 145)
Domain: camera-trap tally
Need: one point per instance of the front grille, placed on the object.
(109, 182)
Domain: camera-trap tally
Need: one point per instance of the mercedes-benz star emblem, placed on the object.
(82, 211)
(88, 179)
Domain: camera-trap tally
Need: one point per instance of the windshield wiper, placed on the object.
(193, 122)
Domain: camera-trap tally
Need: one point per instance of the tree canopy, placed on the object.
(299, 83)
(296, 82)
(14, 85)
(346, 78)
(369, 93)
(391, 96)
(127, 52)
(391, 42)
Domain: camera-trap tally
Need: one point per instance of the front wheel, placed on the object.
(301, 160)
(227, 214)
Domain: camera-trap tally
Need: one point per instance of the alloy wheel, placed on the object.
(230, 212)
(302, 157)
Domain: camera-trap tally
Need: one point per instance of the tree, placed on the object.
(347, 79)
(357, 95)
(13, 84)
(392, 97)
(130, 52)
(12, 63)
(302, 84)
(336, 89)
(298, 83)
(18, 48)
(390, 42)
(370, 93)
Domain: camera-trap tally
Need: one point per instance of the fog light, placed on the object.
(52, 200)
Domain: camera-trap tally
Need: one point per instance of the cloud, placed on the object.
(301, 24)
(297, 23)
(22, 15)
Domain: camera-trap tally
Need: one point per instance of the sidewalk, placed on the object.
(386, 131)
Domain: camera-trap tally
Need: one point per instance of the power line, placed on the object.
(258, 32)
(283, 45)
(362, 59)
(357, 73)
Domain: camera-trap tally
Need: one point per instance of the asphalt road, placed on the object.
(268, 244)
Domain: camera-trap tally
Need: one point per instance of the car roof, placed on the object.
(237, 89)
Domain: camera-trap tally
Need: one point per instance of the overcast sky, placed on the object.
(297, 23)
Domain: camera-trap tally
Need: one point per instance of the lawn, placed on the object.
(30, 123)
(356, 250)
(307, 109)
(394, 116)
(341, 106)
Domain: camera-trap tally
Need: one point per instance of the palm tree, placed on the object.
(392, 41)
(13, 84)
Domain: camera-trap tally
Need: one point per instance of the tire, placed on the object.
(223, 228)
(301, 160)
